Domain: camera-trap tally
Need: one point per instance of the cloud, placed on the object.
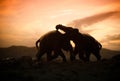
(91, 19)
(113, 37)
(112, 41)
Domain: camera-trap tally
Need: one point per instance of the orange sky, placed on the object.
(22, 22)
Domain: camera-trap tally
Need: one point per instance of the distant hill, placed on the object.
(18, 51)
(107, 53)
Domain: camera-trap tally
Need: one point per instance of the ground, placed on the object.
(106, 70)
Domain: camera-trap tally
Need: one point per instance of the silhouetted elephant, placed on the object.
(84, 45)
(90, 45)
(55, 41)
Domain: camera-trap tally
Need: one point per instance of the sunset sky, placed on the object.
(22, 22)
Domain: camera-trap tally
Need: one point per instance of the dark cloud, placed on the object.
(113, 37)
(116, 16)
(112, 41)
(108, 38)
(87, 21)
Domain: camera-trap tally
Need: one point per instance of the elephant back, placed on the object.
(52, 39)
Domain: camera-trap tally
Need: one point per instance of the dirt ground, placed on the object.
(106, 70)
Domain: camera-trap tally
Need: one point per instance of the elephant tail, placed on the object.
(37, 43)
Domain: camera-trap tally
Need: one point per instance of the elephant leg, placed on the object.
(81, 55)
(55, 55)
(87, 56)
(40, 54)
(49, 55)
(75, 51)
(59, 52)
(72, 56)
(97, 55)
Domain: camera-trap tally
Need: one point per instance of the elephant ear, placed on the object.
(76, 30)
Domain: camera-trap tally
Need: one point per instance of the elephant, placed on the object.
(89, 45)
(85, 44)
(55, 41)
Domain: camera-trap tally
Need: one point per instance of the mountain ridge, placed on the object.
(18, 51)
